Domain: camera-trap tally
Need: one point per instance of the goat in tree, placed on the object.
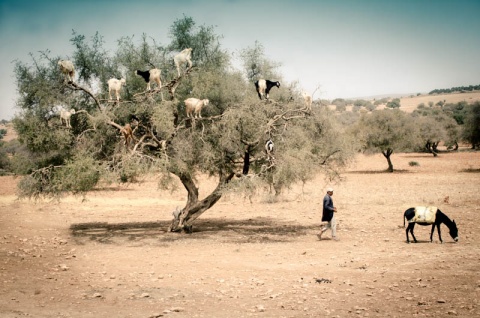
(115, 85)
(67, 69)
(182, 58)
(264, 86)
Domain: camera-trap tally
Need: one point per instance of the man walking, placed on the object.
(328, 215)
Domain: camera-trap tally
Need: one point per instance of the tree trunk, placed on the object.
(194, 208)
(387, 153)
(432, 148)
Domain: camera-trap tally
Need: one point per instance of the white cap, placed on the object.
(329, 189)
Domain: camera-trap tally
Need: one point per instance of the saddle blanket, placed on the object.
(424, 214)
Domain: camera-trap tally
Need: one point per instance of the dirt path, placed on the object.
(109, 256)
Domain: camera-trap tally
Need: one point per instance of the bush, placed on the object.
(413, 164)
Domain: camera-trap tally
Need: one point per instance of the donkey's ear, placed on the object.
(453, 221)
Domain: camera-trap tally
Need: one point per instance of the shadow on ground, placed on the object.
(227, 230)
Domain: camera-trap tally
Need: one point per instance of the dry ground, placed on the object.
(109, 256)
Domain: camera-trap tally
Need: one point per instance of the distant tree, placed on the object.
(471, 128)
(430, 133)
(382, 101)
(394, 103)
(3, 132)
(256, 66)
(227, 143)
(385, 131)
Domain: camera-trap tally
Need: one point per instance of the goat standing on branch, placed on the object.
(182, 58)
(264, 86)
(150, 76)
(127, 133)
(193, 107)
(115, 85)
(67, 69)
(65, 116)
(308, 100)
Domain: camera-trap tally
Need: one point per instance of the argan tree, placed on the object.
(385, 131)
(226, 143)
(434, 126)
(471, 128)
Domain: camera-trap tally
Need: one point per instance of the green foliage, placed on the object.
(394, 103)
(385, 130)
(471, 130)
(455, 89)
(167, 143)
(256, 65)
(381, 101)
(413, 164)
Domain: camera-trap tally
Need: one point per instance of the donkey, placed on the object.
(440, 218)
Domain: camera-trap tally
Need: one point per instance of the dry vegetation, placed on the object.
(109, 256)
(410, 103)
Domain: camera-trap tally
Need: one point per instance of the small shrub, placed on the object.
(413, 163)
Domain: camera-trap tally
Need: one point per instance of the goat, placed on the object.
(264, 86)
(149, 76)
(115, 85)
(269, 149)
(193, 106)
(269, 146)
(67, 69)
(308, 100)
(181, 58)
(65, 116)
(127, 133)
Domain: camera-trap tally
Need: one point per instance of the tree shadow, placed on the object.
(377, 171)
(255, 230)
(470, 170)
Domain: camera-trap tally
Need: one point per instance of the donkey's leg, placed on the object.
(431, 232)
(439, 233)
(410, 229)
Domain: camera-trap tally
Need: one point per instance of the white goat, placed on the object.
(68, 70)
(193, 106)
(308, 100)
(181, 58)
(65, 116)
(115, 85)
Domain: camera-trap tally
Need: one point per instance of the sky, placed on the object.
(348, 48)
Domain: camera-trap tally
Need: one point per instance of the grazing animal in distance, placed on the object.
(65, 116)
(115, 85)
(150, 76)
(183, 57)
(193, 106)
(67, 69)
(429, 216)
(264, 86)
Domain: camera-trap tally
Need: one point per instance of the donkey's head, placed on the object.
(454, 231)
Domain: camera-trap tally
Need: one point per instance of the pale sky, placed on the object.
(351, 48)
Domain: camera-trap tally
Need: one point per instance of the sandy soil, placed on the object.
(109, 255)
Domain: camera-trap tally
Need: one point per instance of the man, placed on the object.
(328, 215)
